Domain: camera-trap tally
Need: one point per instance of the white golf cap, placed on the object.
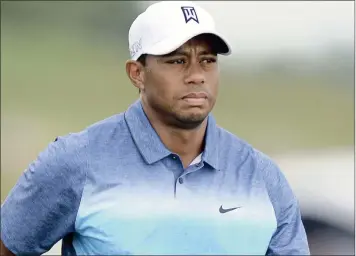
(166, 26)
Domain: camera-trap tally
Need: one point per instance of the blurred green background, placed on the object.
(62, 68)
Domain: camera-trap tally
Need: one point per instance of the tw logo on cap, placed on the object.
(189, 14)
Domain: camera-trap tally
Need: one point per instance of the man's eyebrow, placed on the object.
(185, 53)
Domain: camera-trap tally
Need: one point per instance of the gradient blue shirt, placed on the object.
(114, 188)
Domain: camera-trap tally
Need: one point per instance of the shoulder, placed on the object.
(110, 123)
(78, 145)
(258, 162)
(229, 142)
(252, 163)
(234, 149)
(108, 130)
(71, 152)
(61, 164)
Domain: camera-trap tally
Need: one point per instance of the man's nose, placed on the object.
(195, 74)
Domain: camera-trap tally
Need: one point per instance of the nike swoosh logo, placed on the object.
(222, 210)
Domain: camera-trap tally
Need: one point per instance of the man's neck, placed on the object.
(185, 143)
(188, 144)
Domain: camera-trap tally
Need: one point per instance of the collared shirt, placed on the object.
(114, 188)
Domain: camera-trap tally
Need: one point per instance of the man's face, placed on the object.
(182, 86)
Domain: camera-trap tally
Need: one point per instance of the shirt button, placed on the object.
(180, 180)
(174, 157)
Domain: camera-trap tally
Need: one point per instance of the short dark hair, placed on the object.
(142, 59)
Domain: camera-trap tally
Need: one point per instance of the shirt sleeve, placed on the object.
(290, 236)
(41, 208)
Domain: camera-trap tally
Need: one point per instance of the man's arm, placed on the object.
(4, 250)
(290, 237)
(41, 208)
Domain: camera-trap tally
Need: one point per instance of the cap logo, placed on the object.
(136, 46)
(189, 14)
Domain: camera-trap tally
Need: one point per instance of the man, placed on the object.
(162, 177)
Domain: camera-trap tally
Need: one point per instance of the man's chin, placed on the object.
(191, 121)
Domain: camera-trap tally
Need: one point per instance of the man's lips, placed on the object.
(196, 95)
(196, 99)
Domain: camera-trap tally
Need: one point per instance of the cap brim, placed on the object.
(219, 43)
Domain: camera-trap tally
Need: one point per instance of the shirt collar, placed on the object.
(150, 145)
(197, 160)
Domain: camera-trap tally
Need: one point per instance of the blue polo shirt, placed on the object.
(114, 188)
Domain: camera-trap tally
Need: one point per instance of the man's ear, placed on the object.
(136, 73)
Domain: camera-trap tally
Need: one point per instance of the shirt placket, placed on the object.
(180, 174)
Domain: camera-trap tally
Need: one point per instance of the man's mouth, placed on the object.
(195, 98)
(196, 95)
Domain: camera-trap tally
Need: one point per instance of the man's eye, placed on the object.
(180, 61)
(209, 60)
